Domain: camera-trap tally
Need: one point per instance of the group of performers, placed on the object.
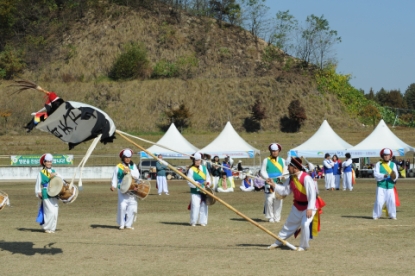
(333, 169)
(281, 178)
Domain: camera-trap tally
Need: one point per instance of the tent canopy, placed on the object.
(381, 137)
(230, 143)
(325, 140)
(172, 139)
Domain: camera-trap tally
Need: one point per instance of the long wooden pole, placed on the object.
(284, 242)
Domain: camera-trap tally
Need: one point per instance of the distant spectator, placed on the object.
(407, 166)
(216, 171)
(224, 184)
(247, 184)
(259, 183)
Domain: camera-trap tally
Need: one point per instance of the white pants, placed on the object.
(50, 213)
(384, 196)
(296, 219)
(249, 189)
(347, 181)
(215, 182)
(127, 209)
(162, 184)
(329, 180)
(198, 210)
(273, 207)
(337, 181)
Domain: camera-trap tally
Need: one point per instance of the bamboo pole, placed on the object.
(212, 195)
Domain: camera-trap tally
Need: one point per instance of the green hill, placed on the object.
(217, 70)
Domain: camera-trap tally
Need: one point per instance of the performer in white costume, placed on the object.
(198, 207)
(127, 203)
(272, 167)
(386, 175)
(336, 171)
(305, 206)
(347, 173)
(49, 208)
(328, 172)
(161, 167)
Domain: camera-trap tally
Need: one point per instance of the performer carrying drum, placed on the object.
(48, 211)
(127, 203)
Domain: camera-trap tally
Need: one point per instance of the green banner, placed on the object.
(33, 160)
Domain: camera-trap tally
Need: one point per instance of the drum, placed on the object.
(4, 200)
(68, 195)
(168, 176)
(143, 189)
(126, 183)
(210, 200)
(55, 186)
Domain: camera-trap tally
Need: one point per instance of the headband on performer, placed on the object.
(274, 146)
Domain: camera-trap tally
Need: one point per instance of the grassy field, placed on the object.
(87, 241)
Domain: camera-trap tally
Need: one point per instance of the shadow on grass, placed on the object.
(176, 223)
(361, 217)
(254, 219)
(26, 248)
(33, 230)
(104, 226)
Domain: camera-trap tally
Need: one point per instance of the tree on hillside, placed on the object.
(370, 115)
(316, 40)
(253, 123)
(371, 95)
(395, 99)
(254, 16)
(410, 96)
(180, 116)
(282, 31)
(382, 97)
(295, 119)
(225, 10)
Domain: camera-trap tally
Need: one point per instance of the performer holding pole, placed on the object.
(386, 175)
(272, 167)
(123, 135)
(198, 208)
(306, 209)
(127, 203)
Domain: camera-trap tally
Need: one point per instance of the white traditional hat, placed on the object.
(274, 146)
(126, 153)
(197, 156)
(45, 157)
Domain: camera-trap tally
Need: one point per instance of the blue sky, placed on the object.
(378, 38)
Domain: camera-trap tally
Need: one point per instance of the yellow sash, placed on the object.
(298, 185)
(46, 172)
(386, 167)
(121, 166)
(199, 172)
(276, 164)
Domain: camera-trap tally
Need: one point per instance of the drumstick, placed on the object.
(284, 242)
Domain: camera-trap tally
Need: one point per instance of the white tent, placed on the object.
(325, 140)
(381, 137)
(172, 139)
(230, 143)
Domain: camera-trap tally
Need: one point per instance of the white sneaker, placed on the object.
(159, 194)
(271, 220)
(202, 224)
(300, 249)
(48, 231)
(167, 193)
(129, 228)
(192, 224)
(393, 218)
(121, 227)
(274, 245)
(375, 218)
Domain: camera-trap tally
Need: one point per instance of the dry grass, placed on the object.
(88, 242)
